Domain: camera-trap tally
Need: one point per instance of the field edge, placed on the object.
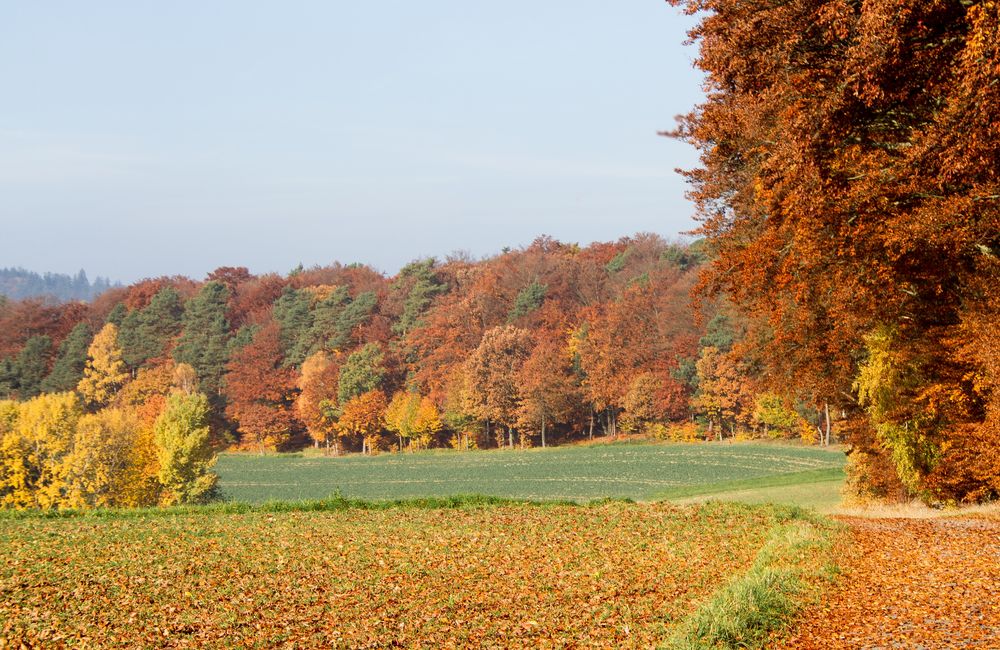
(332, 504)
(791, 571)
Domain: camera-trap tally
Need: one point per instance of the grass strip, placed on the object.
(789, 572)
(333, 504)
(778, 480)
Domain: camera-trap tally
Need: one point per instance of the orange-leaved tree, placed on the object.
(261, 391)
(849, 190)
(364, 416)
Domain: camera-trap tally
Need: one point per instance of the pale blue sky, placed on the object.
(142, 138)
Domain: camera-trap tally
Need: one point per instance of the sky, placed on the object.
(142, 138)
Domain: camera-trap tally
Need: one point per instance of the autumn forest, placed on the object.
(542, 345)
(844, 289)
(801, 393)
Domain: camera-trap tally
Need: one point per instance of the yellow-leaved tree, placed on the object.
(105, 372)
(112, 463)
(426, 422)
(401, 413)
(414, 418)
(183, 450)
(35, 438)
(9, 452)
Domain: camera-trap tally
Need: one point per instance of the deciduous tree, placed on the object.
(364, 416)
(493, 371)
(112, 463)
(33, 448)
(261, 391)
(183, 452)
(105, 372)
(849, 195)
(316, 404)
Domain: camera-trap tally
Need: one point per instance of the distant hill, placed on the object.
(17, 284)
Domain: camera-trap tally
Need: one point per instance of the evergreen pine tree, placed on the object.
(420, 284)
(361, 373)
(32, 365)
(356, 313)
(145, 334)
(8, 378)
(130, 339)
(326, 320)
(292, 311)
(117, 314)
(204, 339)
(528, 300)
(72, 358)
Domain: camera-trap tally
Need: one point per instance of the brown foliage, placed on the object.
(138, 295)
(19, 321)
(364, 416)
(850, 182)
(493, 374)
(608, 576)
(261, 392)
(146, 394)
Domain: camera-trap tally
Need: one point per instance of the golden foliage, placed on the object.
(105, 372)
(33, 450)
(112, 464)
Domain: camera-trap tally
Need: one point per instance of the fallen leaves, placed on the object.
(931, 583)
(612, 575)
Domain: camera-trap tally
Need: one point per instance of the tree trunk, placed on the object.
(543, 431)
(592, 423)
(826, 411)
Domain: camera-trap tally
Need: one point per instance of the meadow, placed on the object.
(638, 471)
(470, 574)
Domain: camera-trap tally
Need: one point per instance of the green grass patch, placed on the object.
(828, 474)
(642, 472)
(789, 572)
(333, 504)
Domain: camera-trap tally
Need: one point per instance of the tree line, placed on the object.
(17, 284)
(548, 343)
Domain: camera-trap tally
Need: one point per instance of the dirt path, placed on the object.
(930, 583)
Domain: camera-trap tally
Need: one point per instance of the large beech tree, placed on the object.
(493, 371)
(850, 194)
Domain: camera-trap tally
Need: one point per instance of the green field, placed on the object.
(643, 472)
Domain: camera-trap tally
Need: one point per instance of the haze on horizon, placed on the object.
(146, 139)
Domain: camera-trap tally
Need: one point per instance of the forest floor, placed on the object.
(931, 582)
